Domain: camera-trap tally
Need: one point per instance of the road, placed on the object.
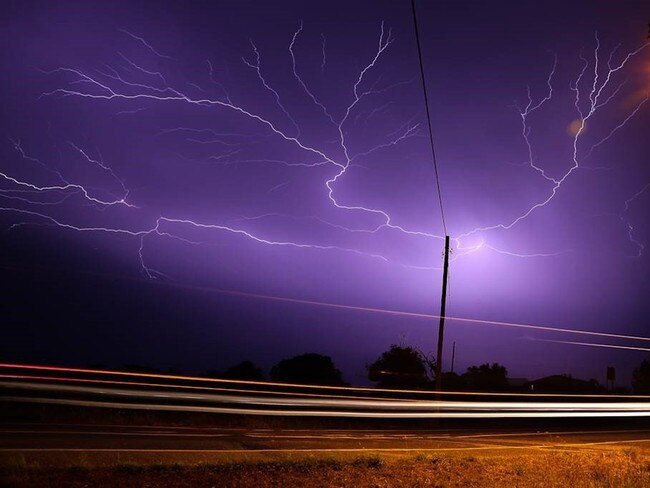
(108, 441)
(343, 421)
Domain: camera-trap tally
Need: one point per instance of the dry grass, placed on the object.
(575, 469)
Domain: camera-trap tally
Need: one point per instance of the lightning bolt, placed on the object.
(323, 52)
(144, 43)
(64, 186)
(130, 82)
(256, 66)
(300, 80)
(630, 229)
(594, 101)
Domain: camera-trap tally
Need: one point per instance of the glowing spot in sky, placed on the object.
(575, 126)
(642, 82)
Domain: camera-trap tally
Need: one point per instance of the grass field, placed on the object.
(625, 468)
(147, 450)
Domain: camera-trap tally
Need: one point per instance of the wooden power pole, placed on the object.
(453, 355)
(441, 325)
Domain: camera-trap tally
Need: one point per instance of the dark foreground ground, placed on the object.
(542, 469)
(67, 447)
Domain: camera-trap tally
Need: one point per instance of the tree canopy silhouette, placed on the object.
(310, 368)
(401, 366)
(245, 370)
(486, 377)
(641, 379)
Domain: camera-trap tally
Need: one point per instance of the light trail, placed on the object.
(370, 405)
(592, 344)
(331, 413)
(303, 386)
(186, 387)
(409, 314)
(403, 313)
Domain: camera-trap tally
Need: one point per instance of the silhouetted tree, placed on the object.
(641, 379)
(401, 366)
(453, 382)
(310, 368)
(245, 370)
(486, 377)
(139, 368)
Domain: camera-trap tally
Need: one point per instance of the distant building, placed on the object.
(517, 382)
(563, 383)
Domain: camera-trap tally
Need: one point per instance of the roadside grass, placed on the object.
(627, 468)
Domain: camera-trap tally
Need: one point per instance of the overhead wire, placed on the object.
(428, 113)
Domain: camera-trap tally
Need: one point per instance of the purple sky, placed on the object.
(282, 150)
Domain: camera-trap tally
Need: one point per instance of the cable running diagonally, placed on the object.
(426, 105)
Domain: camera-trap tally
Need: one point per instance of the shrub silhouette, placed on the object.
(401, 366)
(310, 368)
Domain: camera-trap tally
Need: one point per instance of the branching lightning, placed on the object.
(594, 100)
(630, 228)
(130, 82)
(300, 80)
(256, 66)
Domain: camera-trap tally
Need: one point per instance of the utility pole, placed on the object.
(441, 325)
(453, 355)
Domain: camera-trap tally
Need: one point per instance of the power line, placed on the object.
(426, 104)
(335, 306)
